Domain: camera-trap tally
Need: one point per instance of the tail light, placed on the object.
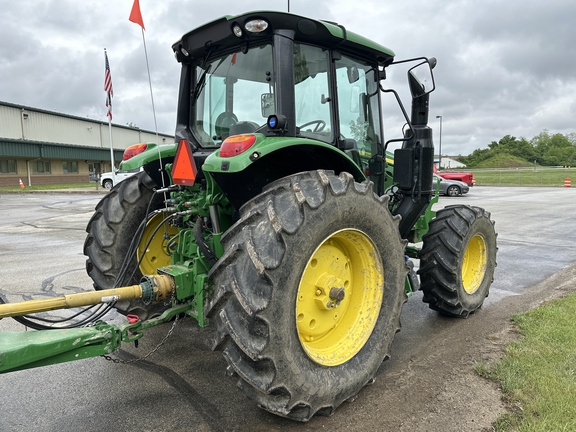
(236, 144)
(133, 150)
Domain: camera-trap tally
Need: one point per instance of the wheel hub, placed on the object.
(474, 264)
(153, 245)
(330, 292)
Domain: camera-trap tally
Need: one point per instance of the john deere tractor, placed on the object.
(280, 218)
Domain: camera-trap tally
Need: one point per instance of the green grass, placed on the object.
(538, 372)
(524, 176)
(50, 187)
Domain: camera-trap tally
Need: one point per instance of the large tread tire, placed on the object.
(110, 232)
(457, 260)
(257, 280)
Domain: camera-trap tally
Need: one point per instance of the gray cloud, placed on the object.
(503, 67)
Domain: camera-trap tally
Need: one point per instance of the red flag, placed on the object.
(108, 85)
(136, 15)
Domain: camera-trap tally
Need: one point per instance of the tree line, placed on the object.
(544, 149)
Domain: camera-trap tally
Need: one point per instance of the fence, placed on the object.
(524, 176)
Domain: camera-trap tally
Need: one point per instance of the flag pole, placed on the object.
(109, 94)
(136, 17)
(112, 164)
(152, 99)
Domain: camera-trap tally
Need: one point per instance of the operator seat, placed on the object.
(243, 127)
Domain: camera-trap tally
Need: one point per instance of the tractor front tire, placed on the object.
(457, 260)
(111, 231)
(308, 294)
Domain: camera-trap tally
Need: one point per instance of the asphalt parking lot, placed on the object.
(183, 385)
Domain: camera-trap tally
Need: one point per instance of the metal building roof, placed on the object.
(45, 150)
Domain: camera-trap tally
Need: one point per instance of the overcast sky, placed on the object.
(504, 66)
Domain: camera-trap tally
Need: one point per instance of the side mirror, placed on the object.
(267, 104)
(420, 78)
(353, 74)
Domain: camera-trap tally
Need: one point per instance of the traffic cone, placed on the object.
(567, 182)
(21, 184)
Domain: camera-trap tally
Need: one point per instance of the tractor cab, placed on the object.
(317, 83)
(236, 93)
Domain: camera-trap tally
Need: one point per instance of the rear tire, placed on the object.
(110, 233)
(457, 260)
(107, 184)
(295, 354)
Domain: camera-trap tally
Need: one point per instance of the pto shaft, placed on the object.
(151, 289)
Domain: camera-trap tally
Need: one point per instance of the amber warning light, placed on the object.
(184, 169)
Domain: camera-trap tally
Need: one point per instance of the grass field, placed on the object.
(49, 187)
(524, 176)
(538, 372)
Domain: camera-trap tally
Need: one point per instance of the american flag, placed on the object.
(108, 86)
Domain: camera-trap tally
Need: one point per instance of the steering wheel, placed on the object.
(320, 125)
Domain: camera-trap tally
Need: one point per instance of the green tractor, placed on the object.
(279, 218)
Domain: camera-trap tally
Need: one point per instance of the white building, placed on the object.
(448, 163)
(43, 147)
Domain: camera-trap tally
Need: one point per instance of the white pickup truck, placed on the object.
(108, 181)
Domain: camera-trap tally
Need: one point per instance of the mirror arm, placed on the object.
(407, 136)
(420, 110)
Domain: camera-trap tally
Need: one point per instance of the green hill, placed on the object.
(503, 160)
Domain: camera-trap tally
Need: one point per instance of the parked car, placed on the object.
(466, 177)
(451, 187)
(107, 179)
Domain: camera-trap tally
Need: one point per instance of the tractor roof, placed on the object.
(218, 34)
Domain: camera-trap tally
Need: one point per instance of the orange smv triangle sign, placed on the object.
(184, 169)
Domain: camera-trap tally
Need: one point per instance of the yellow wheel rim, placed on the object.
(155, 256)
(339, 297)
(474, 264)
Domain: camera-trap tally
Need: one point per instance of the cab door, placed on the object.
(359, 114)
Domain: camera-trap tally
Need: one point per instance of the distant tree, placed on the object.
(545, 149)
(554, 150)
(476, 157)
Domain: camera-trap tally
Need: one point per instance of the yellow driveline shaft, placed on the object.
(162, 286)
